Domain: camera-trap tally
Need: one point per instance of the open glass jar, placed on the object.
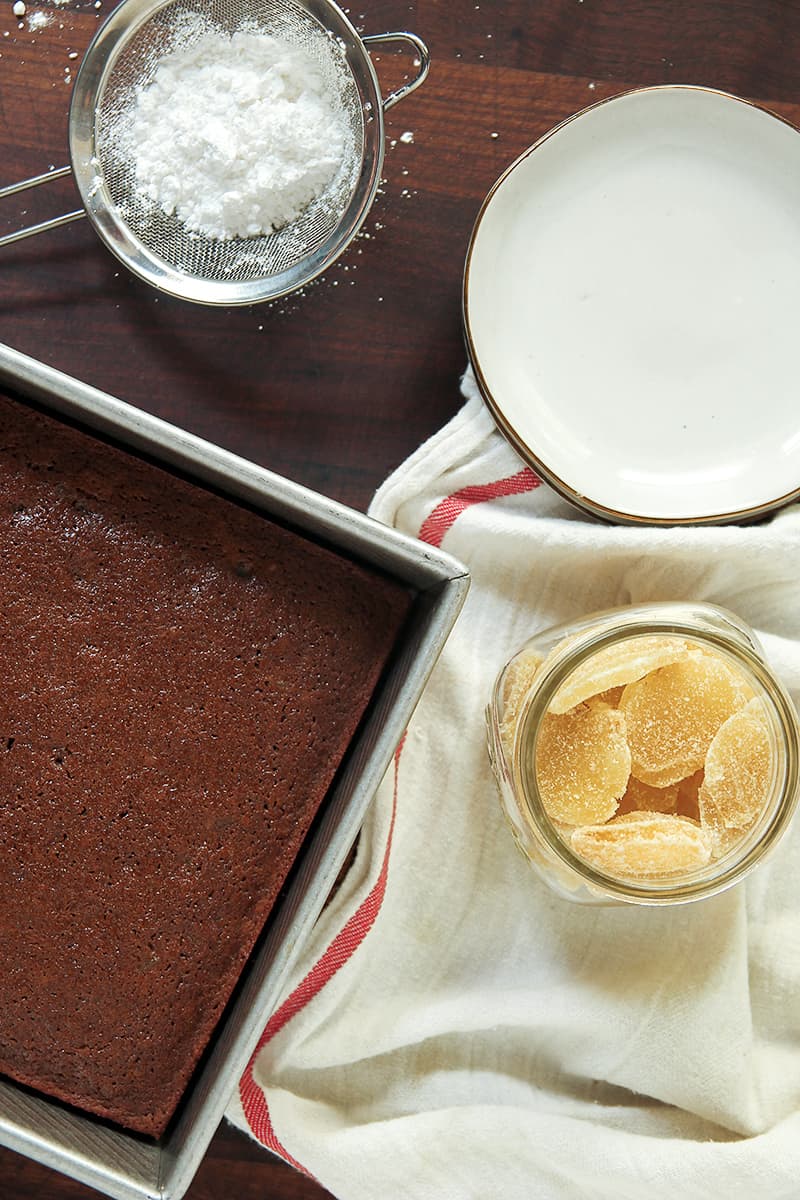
(644, 755)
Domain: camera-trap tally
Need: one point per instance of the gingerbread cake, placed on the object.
(181, 679)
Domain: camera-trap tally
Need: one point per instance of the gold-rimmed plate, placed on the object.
(630, 305)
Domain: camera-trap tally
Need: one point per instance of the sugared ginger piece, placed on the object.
(582, 763)
(688, 803)
(642, 845)
(516, 684)
(673, 713)
(641, 797)
(738, 772)
(615, 665)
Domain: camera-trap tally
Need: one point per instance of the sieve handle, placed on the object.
(422, 53)
(53, 223)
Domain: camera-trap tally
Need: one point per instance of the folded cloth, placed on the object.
(457, 1031)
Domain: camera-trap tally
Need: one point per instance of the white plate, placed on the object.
(632, 307)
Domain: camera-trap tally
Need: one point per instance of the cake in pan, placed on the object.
(181, 679)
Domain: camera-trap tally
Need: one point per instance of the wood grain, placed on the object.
(335, 387)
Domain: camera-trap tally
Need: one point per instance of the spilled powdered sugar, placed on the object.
(235, 134)
(39, 20)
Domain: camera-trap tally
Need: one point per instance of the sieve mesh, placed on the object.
(236, 260)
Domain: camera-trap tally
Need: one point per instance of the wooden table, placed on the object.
(335, 387)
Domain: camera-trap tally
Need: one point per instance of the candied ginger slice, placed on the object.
(582, 763)
(738, 771)
(615, 665)
(640, 845)
(688, 803)
(673, 713)
(698, 651)
(722, 839)
(641, 797)
(517, 682)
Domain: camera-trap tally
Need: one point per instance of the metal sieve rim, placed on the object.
(112, 38)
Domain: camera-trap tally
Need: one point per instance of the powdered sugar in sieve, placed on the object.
(230, 145)
(241, 212)
(235, 134)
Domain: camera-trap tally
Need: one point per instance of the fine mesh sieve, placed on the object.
(160, 248)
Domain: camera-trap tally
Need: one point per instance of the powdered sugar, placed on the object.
(39, 20)
(235, 134)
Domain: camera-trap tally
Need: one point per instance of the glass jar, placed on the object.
(548, 666)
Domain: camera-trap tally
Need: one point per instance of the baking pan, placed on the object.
(126, 1166)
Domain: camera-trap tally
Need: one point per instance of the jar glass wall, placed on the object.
(644, 755)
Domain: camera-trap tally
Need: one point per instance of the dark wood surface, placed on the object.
(338, 385)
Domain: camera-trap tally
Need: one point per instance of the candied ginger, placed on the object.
(582, 763)
(616, 665)
(722, 839)
(673, 713)
(516, 684)
(738, 771)
(642, 845)
(641, 797)
(688, 802)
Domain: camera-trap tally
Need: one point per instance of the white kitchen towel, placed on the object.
(457, 1032)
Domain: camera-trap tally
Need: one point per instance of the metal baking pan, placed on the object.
(123, 1165)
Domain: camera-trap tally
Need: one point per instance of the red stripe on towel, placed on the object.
(347, 940)
(353, 933)
(448, 510)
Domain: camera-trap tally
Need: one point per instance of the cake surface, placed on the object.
(182, 678)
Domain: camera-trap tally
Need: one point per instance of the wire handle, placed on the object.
(423, 54)
(54, 223)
